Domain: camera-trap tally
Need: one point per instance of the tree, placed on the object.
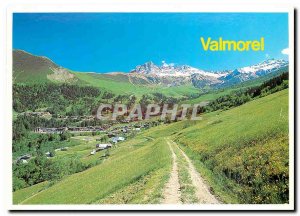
(105, 138)
(65, 136)
(18, 183)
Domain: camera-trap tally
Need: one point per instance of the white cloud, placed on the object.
(285, 51)
(165, 64)
(267, 56)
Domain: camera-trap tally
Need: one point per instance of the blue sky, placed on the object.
(107, 42)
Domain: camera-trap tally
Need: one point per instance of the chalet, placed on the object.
(114, 139)
(117, 139)
(121, 138)
(48, 154)
(24, 157)
(103, 146)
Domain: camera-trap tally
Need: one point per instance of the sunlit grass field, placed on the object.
(243, 153)
(129, 163)
(120, 84)
(246, 149)
(25, 193)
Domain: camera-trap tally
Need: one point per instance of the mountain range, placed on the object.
(201, 78)
(28, 68)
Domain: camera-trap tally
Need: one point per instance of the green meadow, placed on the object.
(120, 84)
(129, 163)
(242, 153)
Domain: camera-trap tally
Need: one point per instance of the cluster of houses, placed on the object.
(38, 114)
(102, 146)
(123, 129)
(127, 128)
(114, 136)
(69, 129)
(24, 158)
(115, 133)
(78, 118)
(102, 128)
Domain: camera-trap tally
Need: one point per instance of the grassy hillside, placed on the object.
(31, 69)
(133, 161)
(23, 194)
(120, 84)
(28, 68)
(241, 152)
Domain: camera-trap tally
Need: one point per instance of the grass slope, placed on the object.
(247, 145)
(242, 153)
(31, 69)
(23, 194)
(128, 163)
(28, 68)
(120, 84)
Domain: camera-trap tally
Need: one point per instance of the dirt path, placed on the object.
(202, 192)
(172, 188)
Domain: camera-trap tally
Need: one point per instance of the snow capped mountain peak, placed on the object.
(146, 68)
(254, 71)
(176, 74)
(265, 66)
(171, 69)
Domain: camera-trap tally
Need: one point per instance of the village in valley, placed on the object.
(96, 138)
(103, 124)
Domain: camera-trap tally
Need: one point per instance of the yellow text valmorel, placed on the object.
(231, 45)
